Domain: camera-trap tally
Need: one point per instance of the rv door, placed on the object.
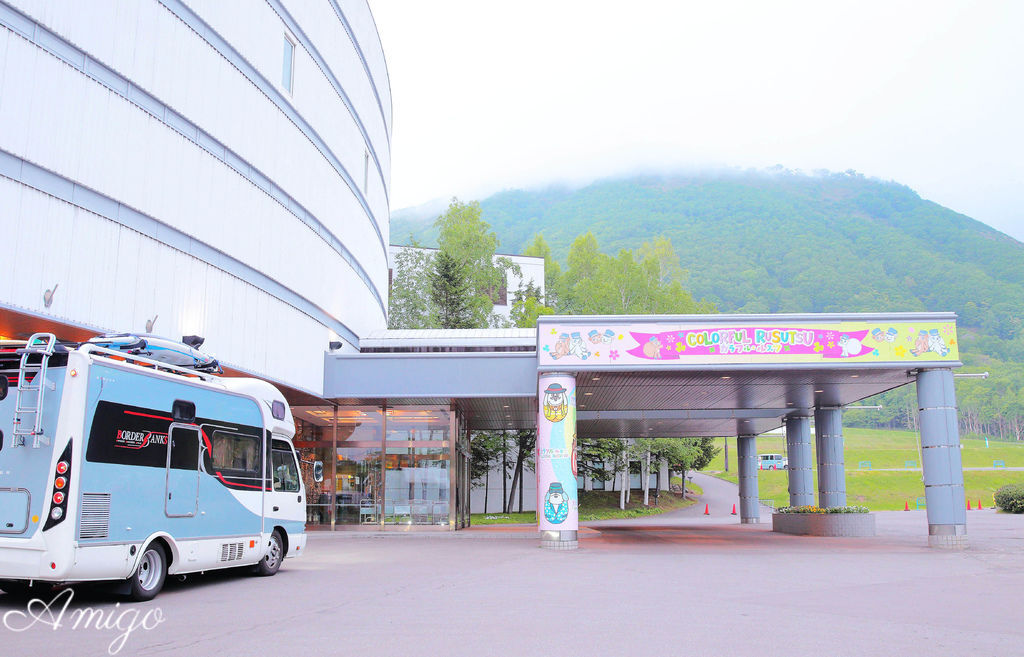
(285, 500)
(181, 497)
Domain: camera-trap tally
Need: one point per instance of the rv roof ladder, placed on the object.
(28, 408)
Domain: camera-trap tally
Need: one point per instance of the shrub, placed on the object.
(1010, 498)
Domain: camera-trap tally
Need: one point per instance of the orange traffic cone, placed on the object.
(706, 510)
(969, 506)
(979, 505)
(906, 506)
(733, 509)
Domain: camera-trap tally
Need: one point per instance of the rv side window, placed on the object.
(184, 448)
(286, 473)
(232, 451)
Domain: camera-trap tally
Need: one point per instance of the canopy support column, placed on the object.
(940, 459)
(828, 437)
(800, 471)
(750, 510)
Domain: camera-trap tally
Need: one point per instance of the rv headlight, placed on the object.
(57, 513)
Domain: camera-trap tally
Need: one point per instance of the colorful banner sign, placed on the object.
(827, 343)
(557, 500)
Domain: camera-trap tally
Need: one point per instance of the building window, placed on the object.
(288, 67)
(499, 296)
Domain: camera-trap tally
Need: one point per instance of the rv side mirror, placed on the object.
(318, 471)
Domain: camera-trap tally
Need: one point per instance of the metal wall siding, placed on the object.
(192, 130)
(174, 169)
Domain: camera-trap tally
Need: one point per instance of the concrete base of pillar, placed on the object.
(948, 537)
(824, 524)
(559, 540)
(749, 521)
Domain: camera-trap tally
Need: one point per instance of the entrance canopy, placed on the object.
(693, 375)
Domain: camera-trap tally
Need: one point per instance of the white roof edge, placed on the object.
(511, 337)
(765, 317)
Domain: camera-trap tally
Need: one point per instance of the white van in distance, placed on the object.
(772, 462)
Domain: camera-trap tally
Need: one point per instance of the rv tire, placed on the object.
(271, 563)
(149, 576)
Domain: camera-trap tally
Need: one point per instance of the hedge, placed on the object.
(1010, 498)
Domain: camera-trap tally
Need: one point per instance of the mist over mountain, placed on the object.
(782, 241)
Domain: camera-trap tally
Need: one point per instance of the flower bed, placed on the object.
(818, 509)
(817, 521)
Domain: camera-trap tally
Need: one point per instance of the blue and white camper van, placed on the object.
(118, 466)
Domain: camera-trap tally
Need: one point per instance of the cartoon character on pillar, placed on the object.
(556, 504)
(556, 402)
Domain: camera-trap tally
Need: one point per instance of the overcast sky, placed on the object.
(491, 95)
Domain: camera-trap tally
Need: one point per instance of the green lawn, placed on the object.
(527, 517)
(889, 449)
(882, 491)
(598, 505)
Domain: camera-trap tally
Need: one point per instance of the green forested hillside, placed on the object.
(781, 241)
(786, 242)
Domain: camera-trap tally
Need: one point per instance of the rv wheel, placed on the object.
(275, 555)
(149, 577)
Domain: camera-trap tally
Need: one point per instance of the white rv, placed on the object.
(117, 466)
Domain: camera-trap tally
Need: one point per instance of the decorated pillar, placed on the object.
(750, 507)
(557, 503)
(801, 465)
(940, 459)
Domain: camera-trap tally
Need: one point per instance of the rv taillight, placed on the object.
(61, 482)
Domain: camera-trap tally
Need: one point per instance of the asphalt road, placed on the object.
(680, 583)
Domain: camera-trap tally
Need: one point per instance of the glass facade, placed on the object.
(313, 443)
(385, 467)
(358, 482)
(417, 486)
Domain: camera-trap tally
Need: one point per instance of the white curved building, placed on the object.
(197, 167)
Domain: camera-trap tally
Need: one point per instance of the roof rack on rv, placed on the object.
(184, 353)
(142, 361)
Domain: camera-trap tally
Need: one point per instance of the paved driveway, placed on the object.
(673, 585)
